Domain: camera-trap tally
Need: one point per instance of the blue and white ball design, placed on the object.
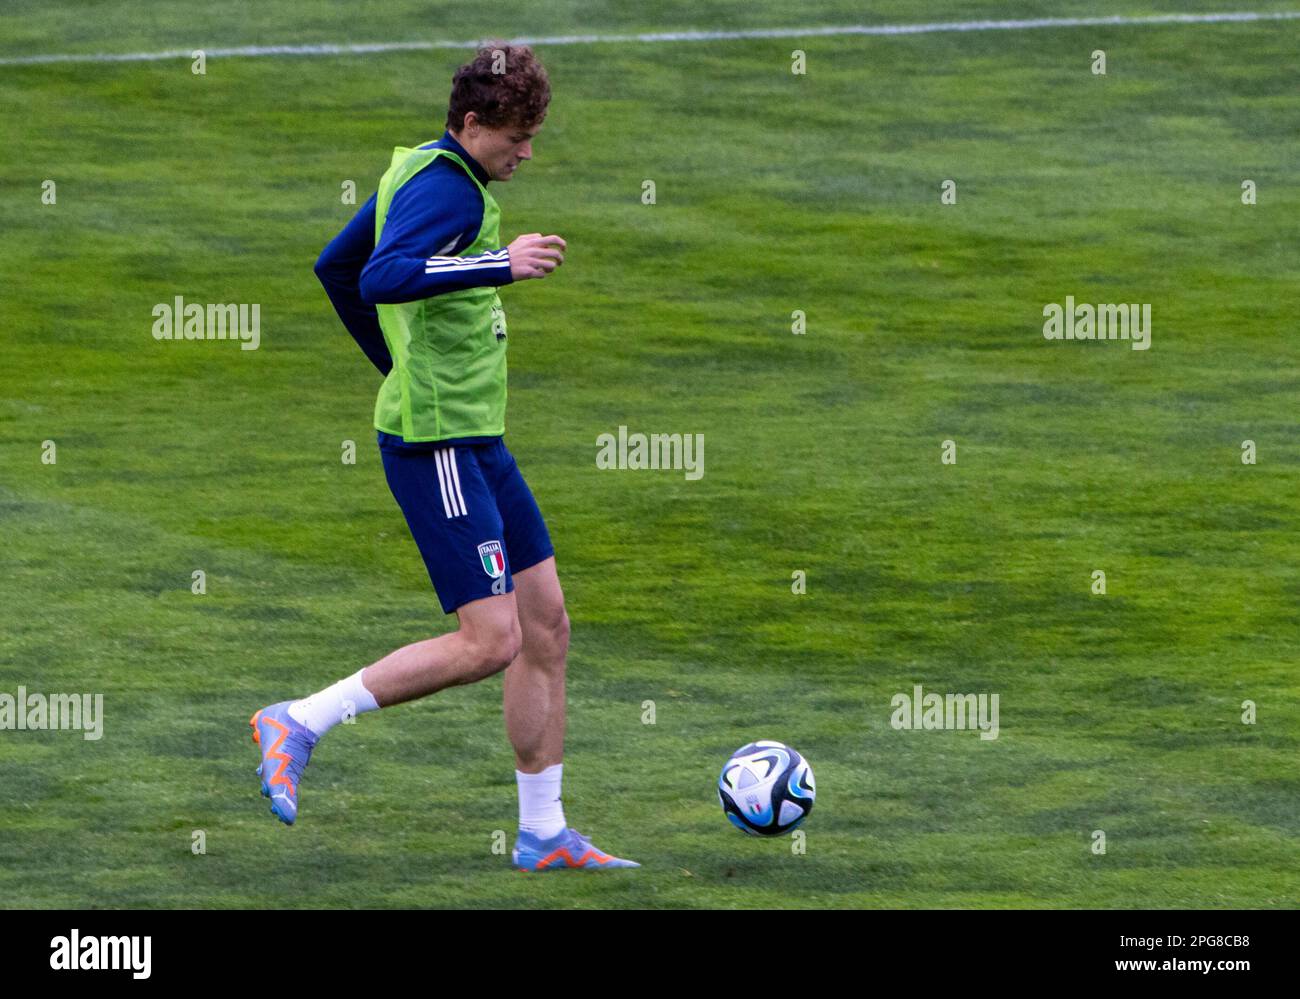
(766, 788)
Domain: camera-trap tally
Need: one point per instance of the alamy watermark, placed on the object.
(55, 711)
(179, 321)
(1101, 322)
(91, 953)
(657, 451)
(945, 711)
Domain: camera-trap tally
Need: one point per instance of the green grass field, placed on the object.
(775, 192)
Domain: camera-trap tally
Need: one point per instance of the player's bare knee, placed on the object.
(559, 632)
(547, 640)
(495, 651)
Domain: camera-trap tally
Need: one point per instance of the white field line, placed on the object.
(661, 36)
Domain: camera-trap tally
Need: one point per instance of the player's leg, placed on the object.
(454, 520)
(448, 504)
(534, 682)
(533, 696)
(487, 641)
(485, 644)
(534, 686)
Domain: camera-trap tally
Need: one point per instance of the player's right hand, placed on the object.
(534, 255)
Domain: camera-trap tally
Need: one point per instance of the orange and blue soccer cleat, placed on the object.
(567, 849)
(286, 747)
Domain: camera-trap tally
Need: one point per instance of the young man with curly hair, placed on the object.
(413, 277)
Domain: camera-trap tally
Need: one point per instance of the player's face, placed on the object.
(498, 150)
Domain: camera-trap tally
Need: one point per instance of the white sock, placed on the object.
(540, 810)
(322, 711)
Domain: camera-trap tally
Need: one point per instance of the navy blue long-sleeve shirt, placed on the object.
(433, 218)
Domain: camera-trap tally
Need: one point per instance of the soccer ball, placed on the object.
(766, 789)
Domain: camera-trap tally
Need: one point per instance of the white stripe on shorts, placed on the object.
(455, 478)
(442, 484)
(453, 500)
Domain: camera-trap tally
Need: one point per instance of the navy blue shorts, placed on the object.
(472, 515)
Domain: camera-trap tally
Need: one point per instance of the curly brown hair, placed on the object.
(505, 85)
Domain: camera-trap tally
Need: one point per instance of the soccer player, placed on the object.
(413, 277)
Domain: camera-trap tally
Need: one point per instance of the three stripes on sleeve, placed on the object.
(463, 265)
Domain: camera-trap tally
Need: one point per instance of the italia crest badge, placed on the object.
(493, 558)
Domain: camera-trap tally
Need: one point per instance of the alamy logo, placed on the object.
(179, 321)
(1104, 322)
(55, 711)
(78, 953)
(677, 451)
(950, 711)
